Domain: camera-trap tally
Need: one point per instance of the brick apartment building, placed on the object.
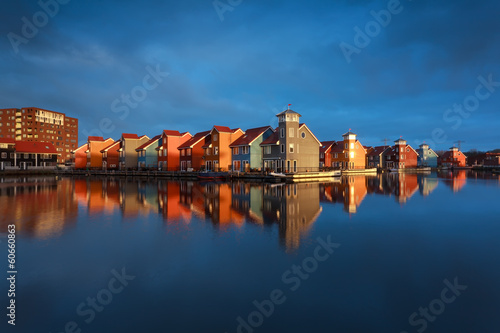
(39, 125)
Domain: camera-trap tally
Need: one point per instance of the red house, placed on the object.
(191, 151)
(168, 154)
(452, 158)
(400, 156)
(111, 156)
(325, 157)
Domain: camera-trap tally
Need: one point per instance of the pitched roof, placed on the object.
(95, 138)
(223, 129)
(250, 136)
(171, 133)
(148, 143)
(112, 146)
(194, 140)
(288, 112)
(35, 147)
(337, 148)
(84, 146)
(272, 139)
(129, 136)
(325, 145)
(377, 150)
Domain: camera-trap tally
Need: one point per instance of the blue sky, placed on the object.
(420, 69)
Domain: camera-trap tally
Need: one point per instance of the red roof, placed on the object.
(194, 140)
(129, 136)
(249, 136)
(35, 147)
(272, 139)
(377, 150)
(96, 138)
(172, 133)
(148, 143)
(223, 129)
(325, 145)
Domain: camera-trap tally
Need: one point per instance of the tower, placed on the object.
(288, 127)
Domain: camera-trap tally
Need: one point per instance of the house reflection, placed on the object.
(39, 207)
(456, 180)
(349, 191)
(427, 185)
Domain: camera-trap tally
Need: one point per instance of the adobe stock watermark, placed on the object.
(372, 29)
(88, 310)
(460, 111)
(437, 306)
(122, 105)
(30, 28)
(292, 278)
(222, 6)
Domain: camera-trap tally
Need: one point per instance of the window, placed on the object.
(245, 150)
(209, 151)
(407, 149)
(4, 155)
(352, 154)
(11, 155)
(346, 155)
(346, 146)
(188, 151)
(282, 132)
(290, 147)
(397, 150)
(26, 156)
(290, 132)
(322, 155)
(282, 149)
(216, 150)
(267, 150)
(215, 137)
(236, 151)
(352, 145)
(303, 135)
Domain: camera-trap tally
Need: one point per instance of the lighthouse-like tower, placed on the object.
(288, 135)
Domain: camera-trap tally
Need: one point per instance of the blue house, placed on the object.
(427, 157)
(147, 156)
(246, 151)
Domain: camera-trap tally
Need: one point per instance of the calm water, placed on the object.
(364, 254)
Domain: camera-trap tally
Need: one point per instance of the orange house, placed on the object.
(325, 156)
(348, 153)
(95, 145)
(111, 156)
(79, 157)
(452, 158)
(168, 154)
(218, 155)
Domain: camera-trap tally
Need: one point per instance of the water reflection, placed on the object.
(44, 207)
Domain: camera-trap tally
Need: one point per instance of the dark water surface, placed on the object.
(391, 253)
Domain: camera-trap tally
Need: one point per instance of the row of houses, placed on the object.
(290, 147)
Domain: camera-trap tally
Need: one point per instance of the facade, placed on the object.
(94, 156)
(191, 152)
(452, 158)
(79, 157)
(246, 151)
(486, 159)
(325, 156)
(400, 156)
(7, 153)
(349, 153)
(147, 154)
(39, 125)
(111, 156)
(168, 154)
(298, 148)
(128, 155)
(427, 157)
(374, 156)
(217, 153)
